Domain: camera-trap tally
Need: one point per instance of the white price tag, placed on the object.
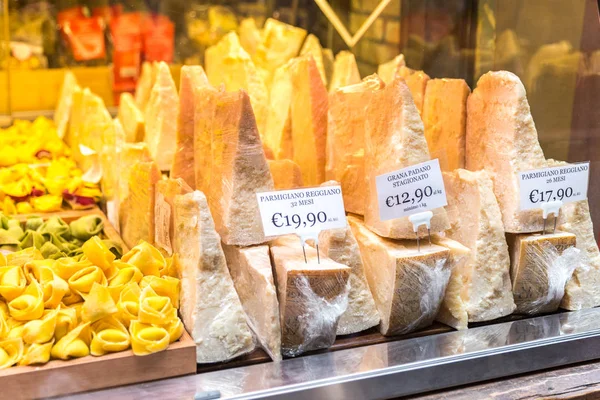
(564, 183)
(301, 211)
(411, 190)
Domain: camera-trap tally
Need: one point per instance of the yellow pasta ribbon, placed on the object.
(147, 258)
(174, 326)
(37, 353)
(147, 339)
(3, 260)
(66, 321)
(71, 297)
(11, 351)
(165, 286)
(98, 304)
(19, 258)
(82, 281)
(4, 329)
(154, 309)
(66, 267)
(47, 203)
(53, 286)
(24, 208)
(29, 305)
(109, 335)
(123, 277)
(129, 303)
(98, 253)
(41, 330)
(12, 282)
(173, 267)
(74, 344)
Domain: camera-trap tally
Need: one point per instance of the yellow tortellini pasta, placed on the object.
(98, 253)
(67, 267)
(66, 321)
(74, 344)
(19, 258)
(165, 286)
(147, 339)
(12, 282)
(82, 281)
(11, 351)
(37, 353)
(98, 304)
(53, 286)
(29, 305)
(109, 335)
(147, 258)
(125, 275)
(40, 330)
(154, 309)
(129, 303)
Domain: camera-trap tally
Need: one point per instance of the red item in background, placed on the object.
(159, 38)
(105, 13)
(86, 38)
(69, 14)
(127, 43)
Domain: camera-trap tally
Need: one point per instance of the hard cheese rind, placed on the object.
(252, 275)
(408, 285)
(476, 222)
(210, 307)
(394, 139)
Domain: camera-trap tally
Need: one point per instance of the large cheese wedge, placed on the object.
(387, 71)
(65, 102)
(89, 121)
(476, 222)
(162, 113)
(228, 63)
(453, 311)
(361, 314)
(417, 83)
(538, 272)
(131, 118)
(278, 131)
(309, 120)
(204, 104)
(191, 79)
(210, 307)
(408, 285)
(345, 71)
(252, 275)
(239, 170)
(164, 223)
(129, 155)
(312, 297)
(75, 117)
(312, 47)
(137, 216)
(145, 84)
(583, 290)
(502, 139)
(286, 174)
(394, 139)
(445, 119)
(280, 43)
(346, 137)
(113, 138)
(249, 35)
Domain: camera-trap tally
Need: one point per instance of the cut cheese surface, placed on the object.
(250, 35)
(286, 174)
(239, 170)
(137, 216)
(312, 297)
(309, 120)
(361, 314)
(476, 222)
(210, 307)
(228, 63)
(162, 113)
(408, 285)
(129, 154)
(145, 84)
(191, 79)
(387, 71)
(205, 105)
(278, 131)
(445, 119)
(538, 275)
(394, 139)
(312, 47)
(131, 118)
(164, 224)
(417, 83)
(65, 102)
(345, 71)
(252, 275)
(346, 138)
(502, 139)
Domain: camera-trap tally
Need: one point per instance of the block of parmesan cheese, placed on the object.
(345, 71)
(129, 154)
(204, 104)
(239, 170)
(387, 71)
(90, 119)
(286, 174)
(164, 224)
(75, 117)
(162, 113)
(252, 275)
(145, 84)
(538, 280)
(445, 119)
(137, 218)
(65, 102)
(476, 222)
(309, 120)
(394, 139)
(502, 139)
(210, 307)
(408, 285)
(249, 35)
(278, 131)
(417, 83)
(312, 297)
(453, 311)
(191, 79)
(346, 137)
(131, 118)
(312, 47)
(361, 314)
(228, 63)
